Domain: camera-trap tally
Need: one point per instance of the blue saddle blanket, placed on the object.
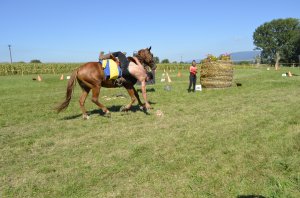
(111, 69)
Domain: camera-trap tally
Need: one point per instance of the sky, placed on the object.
(77, 30)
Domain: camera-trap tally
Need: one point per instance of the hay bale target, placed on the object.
(216, 74)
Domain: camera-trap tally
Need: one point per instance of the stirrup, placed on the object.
(118, 82)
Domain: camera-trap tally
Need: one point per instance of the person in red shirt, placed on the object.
(193, 76)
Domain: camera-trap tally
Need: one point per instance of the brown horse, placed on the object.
(90, 76)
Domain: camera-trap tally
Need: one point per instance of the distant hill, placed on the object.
(238, 56)
(244, 56)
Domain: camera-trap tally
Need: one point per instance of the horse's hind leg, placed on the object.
(85, 92)
(82, 99)
(96, 92)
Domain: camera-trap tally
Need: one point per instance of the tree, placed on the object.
(156, 59)
(165, 61)
(297, 55)
(35, 61)
(277, 39)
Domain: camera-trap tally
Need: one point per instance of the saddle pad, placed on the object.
(111, 69)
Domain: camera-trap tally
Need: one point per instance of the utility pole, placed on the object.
(9, 46)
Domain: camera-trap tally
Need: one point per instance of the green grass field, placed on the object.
(233, 142)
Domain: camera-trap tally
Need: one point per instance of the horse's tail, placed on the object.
(70, 88)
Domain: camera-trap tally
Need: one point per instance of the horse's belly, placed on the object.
(108, 84)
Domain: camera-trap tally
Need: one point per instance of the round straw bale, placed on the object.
(216, 74)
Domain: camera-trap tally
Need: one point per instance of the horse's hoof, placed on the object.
(107, 114)
(123, 109)
(143, 108)
(86, 117)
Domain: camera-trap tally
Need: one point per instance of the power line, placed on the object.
(9, 46)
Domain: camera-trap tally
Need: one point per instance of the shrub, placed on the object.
(165, 61)
(35, 61)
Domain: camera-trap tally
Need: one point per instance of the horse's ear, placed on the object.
(149, 48)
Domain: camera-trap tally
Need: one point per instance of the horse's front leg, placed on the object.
(130, 91)
(138, 97)
(134, 96)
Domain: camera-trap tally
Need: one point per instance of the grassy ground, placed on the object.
(215, 143)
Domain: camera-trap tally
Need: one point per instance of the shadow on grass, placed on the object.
(114, 108)
(250, 196)
(147, 90)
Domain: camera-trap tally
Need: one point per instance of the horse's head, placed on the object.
(146, 58)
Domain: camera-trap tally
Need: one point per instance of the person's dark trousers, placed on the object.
(193, 79)
(124, 62)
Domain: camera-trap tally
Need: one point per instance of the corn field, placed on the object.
(57, 68)
(36, 68)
